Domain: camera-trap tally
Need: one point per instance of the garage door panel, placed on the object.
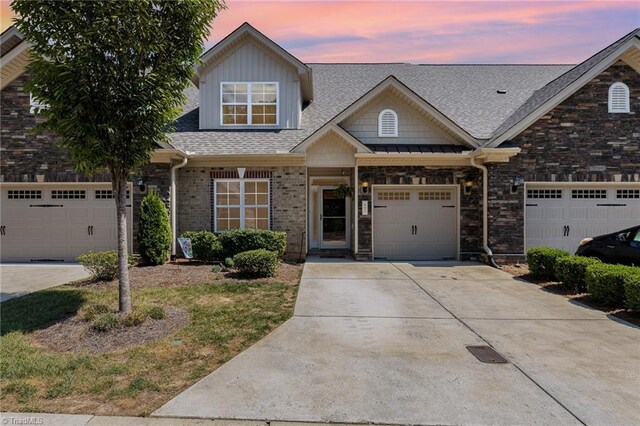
(34, 232)
(414, 224)
(587, 211)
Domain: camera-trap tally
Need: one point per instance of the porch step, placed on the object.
(336, 253)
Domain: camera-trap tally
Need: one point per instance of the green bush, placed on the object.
(542, 262)
(154, 234)
(606, 283)
(205, 245)
(632, 290)
(134, 318)
(92, 311)
(102, 265)
(241, 240)
(106, 322)
(257, 263)
(570, 270)
(156, 312)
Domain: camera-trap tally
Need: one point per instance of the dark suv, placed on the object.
(620, 247)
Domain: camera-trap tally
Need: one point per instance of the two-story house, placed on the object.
(433, 161)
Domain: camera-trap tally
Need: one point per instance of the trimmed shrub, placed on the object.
(92, 311)
(205, 245)
(228, 262)
(106, 322)
(240, 240)
(154, 234)
(101, 265)
(570, 270)
(257, 263)
(156, 312)
(134, 318)
(632, 290)
(542, 262)
(606, 283)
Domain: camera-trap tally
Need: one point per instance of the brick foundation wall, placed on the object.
(578, 141)
(288, 201)
(470, 205)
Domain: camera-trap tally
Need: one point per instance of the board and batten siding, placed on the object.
(413, 126)
(250, 63)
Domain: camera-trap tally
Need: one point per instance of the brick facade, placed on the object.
(288, 201)
(470, 204)
(32, 156)
(578, 141)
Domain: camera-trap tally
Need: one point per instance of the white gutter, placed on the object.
(173, 203)
(485, 210)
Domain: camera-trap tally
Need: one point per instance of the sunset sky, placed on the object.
(429, 32)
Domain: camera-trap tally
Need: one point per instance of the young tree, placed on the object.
(112, 74)
(154, 232)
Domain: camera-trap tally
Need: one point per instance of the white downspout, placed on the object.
(485, 210)
(173, 202)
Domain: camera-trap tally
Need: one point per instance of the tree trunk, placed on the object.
(120, 194)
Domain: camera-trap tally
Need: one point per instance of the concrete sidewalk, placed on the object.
(45, 419)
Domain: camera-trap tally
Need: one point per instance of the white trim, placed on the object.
(626, 108)
(381, 134)
(249, 104)
(456, 194)
(242, 204)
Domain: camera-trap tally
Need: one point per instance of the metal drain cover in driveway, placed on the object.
(487, 354)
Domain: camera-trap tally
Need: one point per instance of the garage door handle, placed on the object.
(416, 226)
(448, 207)
(90, 229)
(2, 228)
(379, 207)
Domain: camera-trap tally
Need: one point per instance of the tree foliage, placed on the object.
(112, 74)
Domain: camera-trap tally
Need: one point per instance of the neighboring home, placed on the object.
(445, 161)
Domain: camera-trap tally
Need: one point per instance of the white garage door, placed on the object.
(561, 216)
(414, 224)
(56, 223)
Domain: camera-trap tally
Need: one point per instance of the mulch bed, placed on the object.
(521, 271)
(73, 334)
(186, 273)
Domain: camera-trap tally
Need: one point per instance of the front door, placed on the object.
(334, 220)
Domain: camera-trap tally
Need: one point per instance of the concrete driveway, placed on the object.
(18, 279)
(385, 343)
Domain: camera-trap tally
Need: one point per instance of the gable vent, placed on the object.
(387, 124)
(619, 98)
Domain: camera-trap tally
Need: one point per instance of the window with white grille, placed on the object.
(387, 124)
(618, 98)
(24, 194)
(106, 194)
(588, 193)
(36, 105)
(544, 193)
(394, 196)
(434, 195)
(628, 193)
(68, 194)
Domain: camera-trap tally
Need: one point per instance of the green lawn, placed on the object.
(226, 318)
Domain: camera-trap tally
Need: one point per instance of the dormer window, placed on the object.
(387, 124)
(249, 104)
(618, 98)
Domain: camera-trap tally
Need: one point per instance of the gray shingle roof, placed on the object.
(554, 87)
(467, 94)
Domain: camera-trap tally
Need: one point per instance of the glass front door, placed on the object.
(333, 217)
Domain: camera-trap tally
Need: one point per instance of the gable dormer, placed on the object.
(247, 81)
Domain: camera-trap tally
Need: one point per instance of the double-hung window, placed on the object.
(249, 104)
(241, 203)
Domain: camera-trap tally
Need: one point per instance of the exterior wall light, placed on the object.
(365, 187)
(140, 183)
(467, 185)
(516, 183)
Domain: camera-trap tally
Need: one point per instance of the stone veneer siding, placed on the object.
(578, 141)
(288, 201)
(470, 205)
(26, 153)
